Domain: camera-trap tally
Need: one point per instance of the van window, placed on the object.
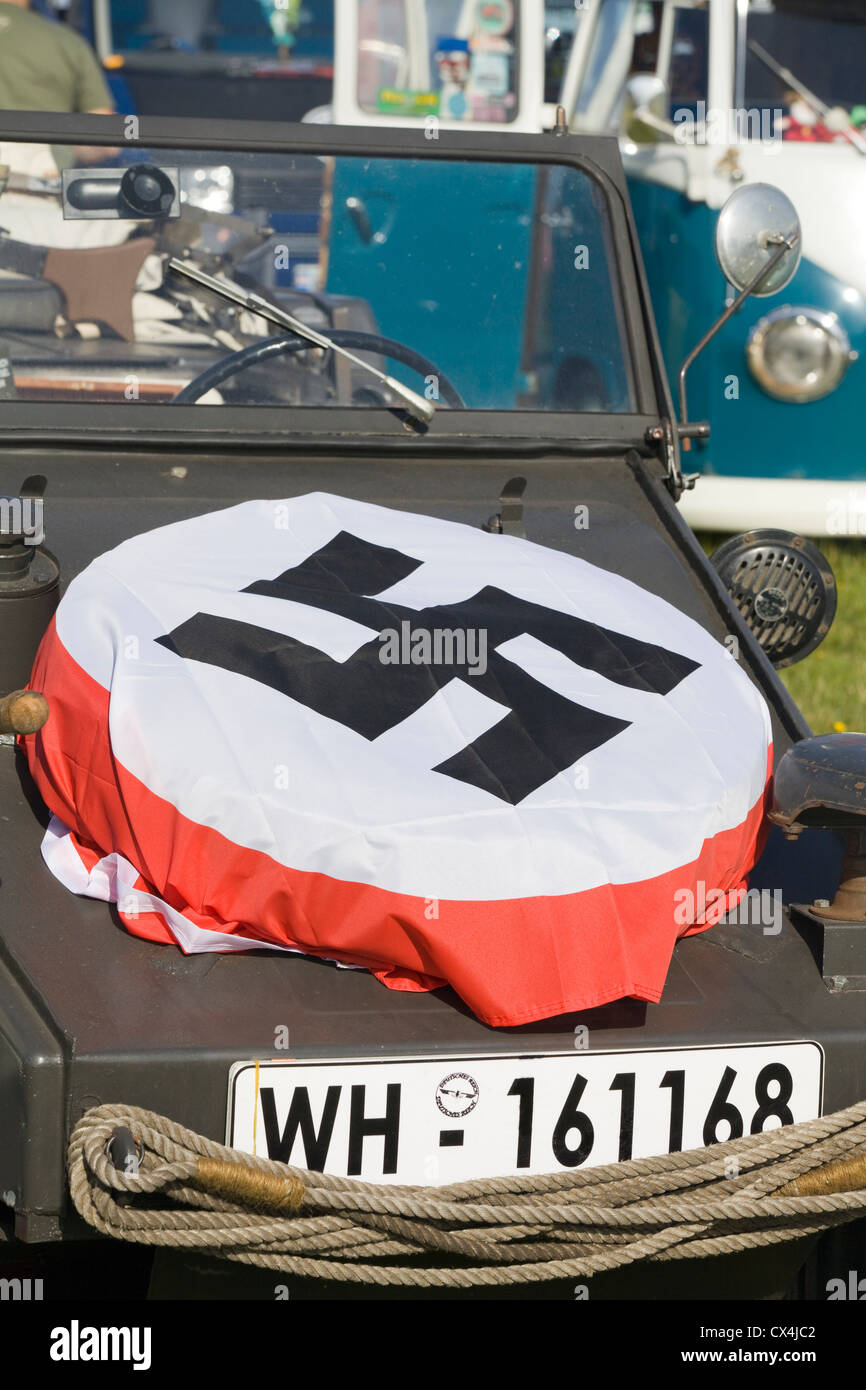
(688, 75)
(446, 58)
(823, 44)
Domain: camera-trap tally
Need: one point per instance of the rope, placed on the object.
(197, 1195)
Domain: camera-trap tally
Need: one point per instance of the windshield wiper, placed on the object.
(418, 407)
(785, 75)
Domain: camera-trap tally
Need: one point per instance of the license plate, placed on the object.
(434, 1120)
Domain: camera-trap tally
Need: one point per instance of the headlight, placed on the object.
(799, 354)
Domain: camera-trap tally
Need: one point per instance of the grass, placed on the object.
(830, 684)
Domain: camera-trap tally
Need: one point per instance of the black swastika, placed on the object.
(543, 732)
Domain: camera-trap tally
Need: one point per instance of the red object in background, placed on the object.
(815, 133)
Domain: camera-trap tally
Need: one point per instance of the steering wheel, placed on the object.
(235, 362)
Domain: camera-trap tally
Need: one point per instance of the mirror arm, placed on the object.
(645, 116)
(685, 430)
(695, 429)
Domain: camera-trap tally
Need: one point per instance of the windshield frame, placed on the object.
(350, 427)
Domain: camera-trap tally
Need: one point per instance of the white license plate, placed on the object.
(440, 1120)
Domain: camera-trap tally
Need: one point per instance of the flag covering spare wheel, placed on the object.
(401, 743)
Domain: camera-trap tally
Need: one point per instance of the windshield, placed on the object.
(451, 58)
(264, 29)
(489, 286)
(822, 42)
(259, 60)
(560, 27)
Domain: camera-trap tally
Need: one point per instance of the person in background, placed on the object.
(46, 66)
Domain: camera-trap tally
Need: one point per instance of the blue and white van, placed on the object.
(747, 91)
(705, 95)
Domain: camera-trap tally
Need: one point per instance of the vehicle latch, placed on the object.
(509, 519)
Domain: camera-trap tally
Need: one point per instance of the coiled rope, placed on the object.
(192, 1193)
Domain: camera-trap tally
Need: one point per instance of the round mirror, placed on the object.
(747, 234)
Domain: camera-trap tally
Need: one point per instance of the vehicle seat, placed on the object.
(29, 305)
(98, 282)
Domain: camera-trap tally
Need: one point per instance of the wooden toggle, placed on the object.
(23, 712)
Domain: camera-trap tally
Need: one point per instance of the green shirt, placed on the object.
(46, 66)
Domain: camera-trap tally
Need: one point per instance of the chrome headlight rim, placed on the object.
(804, 391)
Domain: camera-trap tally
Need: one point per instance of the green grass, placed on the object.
(830, 684)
